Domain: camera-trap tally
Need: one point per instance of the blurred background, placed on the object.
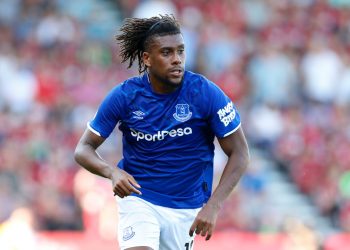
(284, 63)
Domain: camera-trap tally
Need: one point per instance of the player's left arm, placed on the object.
(236, 148)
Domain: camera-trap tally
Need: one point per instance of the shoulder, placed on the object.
(121, 94)
(200, 83)
(195, 78)
(127, 87)
(130, 84)
(199, 80)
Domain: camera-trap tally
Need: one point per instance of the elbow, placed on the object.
(245, 160)
(77, 154)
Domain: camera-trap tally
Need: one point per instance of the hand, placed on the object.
(123, 183)
(205, 221)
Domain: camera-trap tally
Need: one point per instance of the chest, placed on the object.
(147, 113)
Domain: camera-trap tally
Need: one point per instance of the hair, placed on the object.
(137, 33)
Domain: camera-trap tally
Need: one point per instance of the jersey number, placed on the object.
(189, 245)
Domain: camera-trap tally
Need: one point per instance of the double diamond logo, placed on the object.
(138, 114)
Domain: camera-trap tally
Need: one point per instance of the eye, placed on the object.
(181, 51)
(165, 53)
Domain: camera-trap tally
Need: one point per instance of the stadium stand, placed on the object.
(288, 73)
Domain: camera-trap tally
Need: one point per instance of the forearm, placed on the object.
(88, 158)
(206, 219)
(234, 169)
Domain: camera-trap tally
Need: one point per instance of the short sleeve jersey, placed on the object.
(168, 138)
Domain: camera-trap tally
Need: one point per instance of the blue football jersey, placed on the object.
(168, 138)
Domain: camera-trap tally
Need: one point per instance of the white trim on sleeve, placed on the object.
(232, 131)
(93, 130)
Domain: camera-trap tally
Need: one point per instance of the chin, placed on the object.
(175, 82)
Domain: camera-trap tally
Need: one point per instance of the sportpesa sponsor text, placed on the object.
(160, 135)
(226, 115)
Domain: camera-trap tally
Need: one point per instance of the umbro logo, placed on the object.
(138, 114)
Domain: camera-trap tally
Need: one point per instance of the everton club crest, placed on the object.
(128, 233)
(182, 113)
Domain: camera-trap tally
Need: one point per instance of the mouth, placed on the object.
(177, 72)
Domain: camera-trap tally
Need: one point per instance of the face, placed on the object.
(165, 60)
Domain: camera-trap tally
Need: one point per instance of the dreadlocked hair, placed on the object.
(136, 34)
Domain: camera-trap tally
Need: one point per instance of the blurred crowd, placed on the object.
(285, 64)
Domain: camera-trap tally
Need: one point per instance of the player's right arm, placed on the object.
(86, 155)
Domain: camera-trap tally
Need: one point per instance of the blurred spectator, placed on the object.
(343, 91)
(300, 236)
(191, 19)
(222, 48)
(257, 13)
(265, 125)
(321, 68)
(149, 8)
(21, 222)
(273, 77)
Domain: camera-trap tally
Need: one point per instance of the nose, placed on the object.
(177, 59)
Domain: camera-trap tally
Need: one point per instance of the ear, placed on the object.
(146, 59)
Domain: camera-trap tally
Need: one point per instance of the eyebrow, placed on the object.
(170, 48)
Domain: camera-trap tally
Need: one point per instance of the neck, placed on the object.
(162, 86)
